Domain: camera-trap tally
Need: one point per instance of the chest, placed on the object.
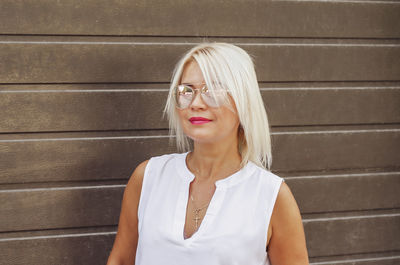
(233, 218)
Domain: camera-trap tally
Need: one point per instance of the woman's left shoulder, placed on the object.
(285, 196)
(266, 175)
(286, 211)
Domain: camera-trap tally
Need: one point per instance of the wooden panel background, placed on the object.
(82, 88)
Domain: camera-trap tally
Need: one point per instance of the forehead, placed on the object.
(192, 73)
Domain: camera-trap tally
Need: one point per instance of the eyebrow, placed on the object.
(193, 84)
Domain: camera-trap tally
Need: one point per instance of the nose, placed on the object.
(197, 102)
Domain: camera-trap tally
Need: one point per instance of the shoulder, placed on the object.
(285, 199)
(156, 162)
(265, 175)
(135, 181)
(165, 158)
(286, 210)
(267, 183)
(140, 169)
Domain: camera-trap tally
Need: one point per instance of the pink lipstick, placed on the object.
(198, 120)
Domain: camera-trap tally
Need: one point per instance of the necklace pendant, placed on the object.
(196, 212)
(196, 220)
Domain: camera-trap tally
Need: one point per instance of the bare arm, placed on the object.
(124, 249)
(287, 244)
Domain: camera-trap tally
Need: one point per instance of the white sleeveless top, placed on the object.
(233, 231)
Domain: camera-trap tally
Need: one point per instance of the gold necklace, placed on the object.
(196, 212)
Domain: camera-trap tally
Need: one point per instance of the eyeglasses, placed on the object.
(185, 94)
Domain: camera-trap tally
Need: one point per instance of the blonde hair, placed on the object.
(227, 64)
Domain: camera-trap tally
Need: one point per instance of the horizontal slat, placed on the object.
(91, 109)
(91, 62)
(82, 111)
(217, 18)
(63, 207)
(323, 106)
(330, 193)
(90, 248)
(49, 208)
(329, 150)
(76, 159)
(352, 235)
(98, 158)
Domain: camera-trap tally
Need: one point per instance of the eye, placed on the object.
(185, 90)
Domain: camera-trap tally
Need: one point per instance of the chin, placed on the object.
(206, 138)
(201, 138)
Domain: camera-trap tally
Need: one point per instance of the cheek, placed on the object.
(183, 121)
(181, 115)
(229, 120)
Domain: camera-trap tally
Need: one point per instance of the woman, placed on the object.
(217, 204)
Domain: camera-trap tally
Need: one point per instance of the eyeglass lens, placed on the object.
(184, 96)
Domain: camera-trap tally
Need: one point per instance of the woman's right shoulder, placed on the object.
(135, 182)
(140, 171)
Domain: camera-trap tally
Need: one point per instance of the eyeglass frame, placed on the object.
(200, 90)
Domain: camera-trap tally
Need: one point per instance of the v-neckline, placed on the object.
(212, 209)
(206, 219)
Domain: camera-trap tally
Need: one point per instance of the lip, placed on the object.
(199, 120)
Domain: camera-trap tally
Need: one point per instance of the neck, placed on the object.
(214, 161)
